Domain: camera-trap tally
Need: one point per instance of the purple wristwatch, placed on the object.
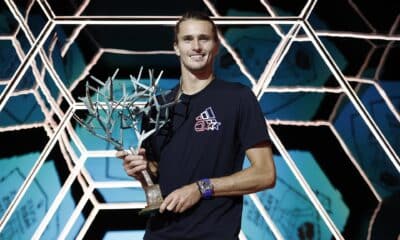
(206, 188)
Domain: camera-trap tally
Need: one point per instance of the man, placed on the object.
(199, 157)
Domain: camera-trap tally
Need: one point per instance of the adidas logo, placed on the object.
(206, 121)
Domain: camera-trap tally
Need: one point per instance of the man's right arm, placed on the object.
(134, 164)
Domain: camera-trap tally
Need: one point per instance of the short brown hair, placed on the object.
(195, 15)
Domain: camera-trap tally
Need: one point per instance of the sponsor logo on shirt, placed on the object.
(206, 121)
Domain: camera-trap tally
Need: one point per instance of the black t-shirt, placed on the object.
(207, 137)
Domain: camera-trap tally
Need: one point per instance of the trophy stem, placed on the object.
(147, 178)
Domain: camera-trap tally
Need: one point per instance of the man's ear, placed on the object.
(177, 52)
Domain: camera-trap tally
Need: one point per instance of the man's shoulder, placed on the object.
(231, 86)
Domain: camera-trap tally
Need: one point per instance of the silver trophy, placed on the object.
(107, 109)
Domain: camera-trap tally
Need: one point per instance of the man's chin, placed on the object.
(198, 67)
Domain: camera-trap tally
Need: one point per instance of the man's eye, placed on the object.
(187, 39)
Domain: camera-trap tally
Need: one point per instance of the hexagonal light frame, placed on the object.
(58, 131)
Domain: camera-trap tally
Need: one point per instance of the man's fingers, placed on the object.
(180, 207)
(133, 163)
(171, 206)
(134, 174)
(131, 157)
(168, 203)
(133, 167)
(125, 153)
(121, 154)
(164, 204)
(136, 161)
(173, 203)
(142, 151)
(138, 168)
(133, 160)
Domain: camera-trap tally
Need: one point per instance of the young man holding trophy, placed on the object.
(197, 158)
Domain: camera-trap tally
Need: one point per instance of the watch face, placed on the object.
(206, 188)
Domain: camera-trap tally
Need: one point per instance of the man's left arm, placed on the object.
(259, 176)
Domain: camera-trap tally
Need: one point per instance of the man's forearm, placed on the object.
(259, 176)
(247, 181)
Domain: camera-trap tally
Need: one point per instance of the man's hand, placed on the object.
(181, 199)
(134, 164)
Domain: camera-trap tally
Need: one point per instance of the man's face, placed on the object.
(196, 46)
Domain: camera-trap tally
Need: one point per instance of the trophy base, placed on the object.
(154, 199)
(149, 210)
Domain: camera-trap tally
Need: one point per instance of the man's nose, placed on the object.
(196, 45)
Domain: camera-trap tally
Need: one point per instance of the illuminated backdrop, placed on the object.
(325, 75)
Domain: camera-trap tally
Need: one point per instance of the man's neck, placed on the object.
(192, 84)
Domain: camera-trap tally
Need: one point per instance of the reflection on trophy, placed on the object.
(112, 113)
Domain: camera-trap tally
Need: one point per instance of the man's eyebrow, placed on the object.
(207, 36)
(187, 36)
(190, 36)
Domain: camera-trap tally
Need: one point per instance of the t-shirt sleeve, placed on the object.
(252, 125)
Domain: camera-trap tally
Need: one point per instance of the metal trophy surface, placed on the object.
(108, 108)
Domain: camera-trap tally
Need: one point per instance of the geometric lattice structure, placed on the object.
(330, 94)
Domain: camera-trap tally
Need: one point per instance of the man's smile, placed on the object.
(197, 57)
